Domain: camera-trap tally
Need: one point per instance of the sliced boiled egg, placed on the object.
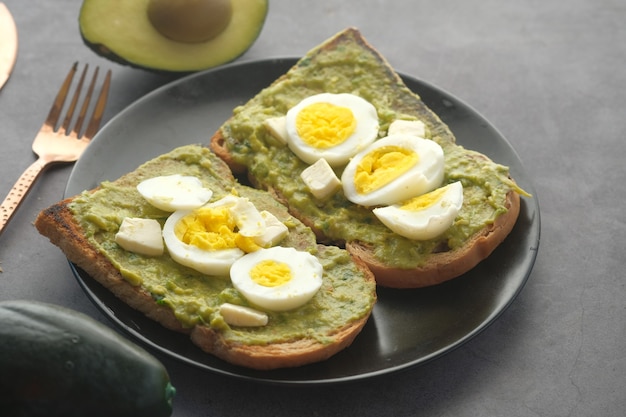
(331, 126)
(262, 227)
(174, 192)
(426, 216)
(207, 239)
(393, 169)
(190, 242)
(278, 278)
(248, 219)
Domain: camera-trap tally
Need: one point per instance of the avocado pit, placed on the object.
(190, 21)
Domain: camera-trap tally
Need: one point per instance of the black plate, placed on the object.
(408, 327)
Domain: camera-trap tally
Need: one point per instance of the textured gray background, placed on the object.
(549, 74)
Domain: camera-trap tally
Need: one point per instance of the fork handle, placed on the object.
(19, 191)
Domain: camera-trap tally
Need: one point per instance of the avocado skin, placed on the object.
(104, 52)
(168, 56)
(59, 362)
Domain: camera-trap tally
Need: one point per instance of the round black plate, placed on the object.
(408, 327)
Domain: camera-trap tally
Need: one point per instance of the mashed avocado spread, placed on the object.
(351, 68)
(195, 298)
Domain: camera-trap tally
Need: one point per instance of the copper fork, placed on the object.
(55, 145)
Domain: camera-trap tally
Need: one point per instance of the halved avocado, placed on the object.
(123, 31)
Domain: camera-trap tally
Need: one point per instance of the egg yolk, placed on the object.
(270, 273)
(324, 125)
(381, 166)
(212, 229)
(423, 201)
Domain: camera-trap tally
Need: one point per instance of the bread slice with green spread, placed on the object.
(186, 300)
(346, 64)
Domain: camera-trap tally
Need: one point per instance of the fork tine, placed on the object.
(72, 106)
(59, 101)
(98, 111)
(53, 146)
(83, 110)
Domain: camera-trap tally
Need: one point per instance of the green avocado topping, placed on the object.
(195, 298)
(350, 68)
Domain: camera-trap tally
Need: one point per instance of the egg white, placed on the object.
(174, 192)
(263, 228)
(306, 281)
(426, 222)
(213, 262)
(248, 218)
(424, 176)
(365, 133)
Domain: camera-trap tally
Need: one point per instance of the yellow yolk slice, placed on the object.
(424, 217)
(393, 169)
(212, 229)
(277, 278)
(381, 166)
(324, 125)
(423, 201)
(270, 273)
(334, 127)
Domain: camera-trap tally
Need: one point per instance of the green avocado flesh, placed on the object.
(121, 30)
(195, 298)
(349, 67)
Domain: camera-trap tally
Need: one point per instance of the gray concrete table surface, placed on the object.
(549, 74)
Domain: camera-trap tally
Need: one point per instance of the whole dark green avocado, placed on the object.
(171, 35)
(59, 362)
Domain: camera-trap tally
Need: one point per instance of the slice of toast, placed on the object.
(187, 301)
(346, 63)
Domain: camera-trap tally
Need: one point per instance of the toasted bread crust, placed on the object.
(277, 355)
(59, 225)
(218, 145)
(444, 266)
